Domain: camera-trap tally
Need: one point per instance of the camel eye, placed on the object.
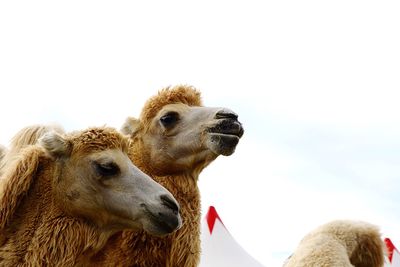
(169, 119)
(106, 169)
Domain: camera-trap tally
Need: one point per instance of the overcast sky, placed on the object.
(315, 83)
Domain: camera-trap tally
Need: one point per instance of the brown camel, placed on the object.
(62, 198)
(174, 139)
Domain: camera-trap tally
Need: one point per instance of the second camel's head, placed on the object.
(176, 133)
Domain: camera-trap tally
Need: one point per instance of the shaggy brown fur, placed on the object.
(36, 228)
(34, 232)
(340, 244)
(26, 136)
(182, 248)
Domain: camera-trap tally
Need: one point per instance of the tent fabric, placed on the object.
(219, 248)
(393, 257)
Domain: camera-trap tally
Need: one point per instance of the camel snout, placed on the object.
(163, 214)
(227, 123)
(226, 114)
(170, 221)
(170, 217)
(171, 203)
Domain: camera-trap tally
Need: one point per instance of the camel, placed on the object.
(340, 243)
(173, 140)
(63, 197)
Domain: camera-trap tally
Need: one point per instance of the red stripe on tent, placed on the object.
(211, 216)
(390, 248)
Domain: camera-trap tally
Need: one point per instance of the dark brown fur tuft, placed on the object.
(369, 252)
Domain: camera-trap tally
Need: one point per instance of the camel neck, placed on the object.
(182, 186)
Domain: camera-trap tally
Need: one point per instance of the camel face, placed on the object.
(182, 136)
(101, 184)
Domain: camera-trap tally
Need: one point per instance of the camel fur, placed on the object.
(169, 120)
(3, 152)
(46, 218)
(340, 243)
(25, 137)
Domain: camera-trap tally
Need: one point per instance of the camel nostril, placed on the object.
(170, 203)
(226, 114)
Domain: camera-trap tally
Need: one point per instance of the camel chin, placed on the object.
(159, 227)
(223, 144)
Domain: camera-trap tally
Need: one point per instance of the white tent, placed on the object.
(393, 259)
(219, 248)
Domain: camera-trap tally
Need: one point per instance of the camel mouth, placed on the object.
(224, 136)
(225, 143)
(164, 223)
(227, 128)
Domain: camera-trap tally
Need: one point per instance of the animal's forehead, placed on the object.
(182, 109)
(179, 107)
(98, 139)
(107, 155)
(178, 94)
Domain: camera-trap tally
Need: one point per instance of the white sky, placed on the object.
(315, 83)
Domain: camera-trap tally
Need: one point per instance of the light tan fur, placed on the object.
(59, 205)
(3, 151)
(340, 243)
(25, 137)
(173, 153)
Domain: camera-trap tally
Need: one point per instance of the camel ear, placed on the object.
(131, 126)
(55, 144)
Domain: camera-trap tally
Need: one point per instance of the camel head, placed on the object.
(178, 134)
(96, 180)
